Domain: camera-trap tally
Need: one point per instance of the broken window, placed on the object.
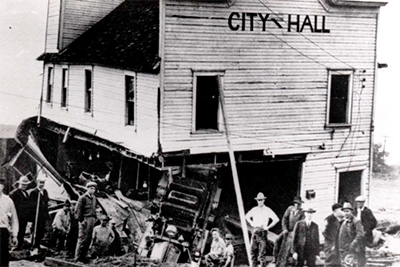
(49, 84)
(206, 102)
(129, 100)
(339, 97)
(64, 87)
(88, 91)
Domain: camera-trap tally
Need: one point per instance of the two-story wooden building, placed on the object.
(143, 79)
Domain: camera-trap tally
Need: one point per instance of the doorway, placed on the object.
(349, 186)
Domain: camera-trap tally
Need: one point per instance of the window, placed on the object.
(88, 91)
(129, 100)
(64, 87)
(49, 84)
(206, 102)
(339, 97)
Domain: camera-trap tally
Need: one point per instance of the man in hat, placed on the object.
(331, 235)
(351, 234)
(229, 251)
(367, 218)
(21, 201)
(8, 224)
(259, 218)
(85, 213)
(39, 199)
(306, 240)
(103, 236)
(292, 215)
(61, 225)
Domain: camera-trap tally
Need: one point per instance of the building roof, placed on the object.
(126, 38)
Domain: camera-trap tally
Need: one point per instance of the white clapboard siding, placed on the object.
(108, 117)
(53, 23)
(275, 84)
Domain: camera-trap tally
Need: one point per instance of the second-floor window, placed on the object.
(49, 84)
(64, 87)
(339, 97)
(129, 100)
(206, 102)
(88, 91)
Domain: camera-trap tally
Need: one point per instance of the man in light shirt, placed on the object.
(367, 218)
(259, 218)
(8, 224)
(61, 226)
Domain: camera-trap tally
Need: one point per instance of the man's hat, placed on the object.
(2, 180)
(104, 218)
(336, 206)
(260, 196)
(347, 206)
(297, 199)
(41, 179)
(229, 236)
(91, 184)
(24, 180)
(309, 209)
(360, 199)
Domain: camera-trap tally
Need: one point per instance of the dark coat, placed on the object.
(369, 223)
(43, 205)
(291, 217)
(351, 237)
(299, 239)
(331, 243)
(21, 203)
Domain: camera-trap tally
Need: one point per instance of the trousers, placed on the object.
(84, 238)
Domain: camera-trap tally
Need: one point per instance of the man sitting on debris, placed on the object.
(259, 218)
(351, 239)
(85, 213)
(229, 251)
(61, 226)
(103, 236)
(217, 248)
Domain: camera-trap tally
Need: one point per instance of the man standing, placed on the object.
(8, 224)
(306, 240)
(85, 213)
(367, 218)
(331, 234)
(351, 245)
(259, 217)
(293, 214)
(61, 226)
(39, 199)
(103, 236)
(21, 201)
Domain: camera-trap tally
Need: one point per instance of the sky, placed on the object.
(22, 38)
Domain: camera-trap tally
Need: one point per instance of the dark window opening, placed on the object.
(88, 90)
(49, 84)
(64, 88)
(207, 103)
(339, 99)
(130, 100)
(349, 186)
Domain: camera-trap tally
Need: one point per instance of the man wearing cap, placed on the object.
(61, 225)
(292, 215)
(39, 199)
(259, 217)
(367, 218)
(306, 240)
(8, 224)
(85, 213)
(331, 235)
(351, 245)
(229, 251)
(21, 201)
(103, 236)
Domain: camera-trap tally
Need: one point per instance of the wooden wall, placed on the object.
(53, 25)
(108, 117)
(275, 83)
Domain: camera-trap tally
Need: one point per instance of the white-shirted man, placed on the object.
(261, 218)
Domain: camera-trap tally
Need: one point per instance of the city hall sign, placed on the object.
(247, 21)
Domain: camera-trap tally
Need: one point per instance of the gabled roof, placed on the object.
(126, 38)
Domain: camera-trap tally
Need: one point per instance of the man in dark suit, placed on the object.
(21, 201)
(331, 234)
(306, 240)
(367, 218)
(39, 200)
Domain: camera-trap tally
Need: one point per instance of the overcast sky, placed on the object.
(22, 33)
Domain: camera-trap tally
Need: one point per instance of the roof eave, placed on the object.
(358, 3)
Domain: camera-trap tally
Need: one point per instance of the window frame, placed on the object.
(349, 107)
(50, 84)
(86, 106)
(64, 84)
(220, 76)
(134, 76)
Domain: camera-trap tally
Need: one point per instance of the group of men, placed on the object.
(346, 234)
(72, 226)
